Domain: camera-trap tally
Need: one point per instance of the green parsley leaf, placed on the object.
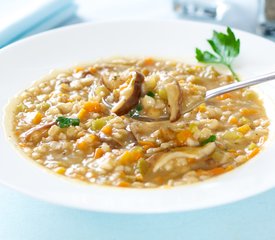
(64, 122)
(225, 46)
(150, 94)
(212, 138)
(135, 112)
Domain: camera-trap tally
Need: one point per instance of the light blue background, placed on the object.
(23, 218)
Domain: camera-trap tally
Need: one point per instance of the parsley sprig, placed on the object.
(226, 47)
(64, 122)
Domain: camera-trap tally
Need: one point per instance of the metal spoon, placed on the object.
(209, 94)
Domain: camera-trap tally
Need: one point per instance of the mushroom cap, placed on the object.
(130, 96)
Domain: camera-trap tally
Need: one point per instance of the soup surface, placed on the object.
(62, 123)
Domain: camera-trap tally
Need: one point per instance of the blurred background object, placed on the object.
(21, 18)
(201, 9)
(266, 18)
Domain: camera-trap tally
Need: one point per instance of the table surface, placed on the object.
(22, 217)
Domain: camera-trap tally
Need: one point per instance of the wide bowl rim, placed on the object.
(75, 203)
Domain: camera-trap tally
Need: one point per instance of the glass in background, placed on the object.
(207, 10)
(266, 18)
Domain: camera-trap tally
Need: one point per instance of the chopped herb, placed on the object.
(139, 107)
(212, 138)
(135, 112)
(150, 94)
(226, 47)
(64, 122)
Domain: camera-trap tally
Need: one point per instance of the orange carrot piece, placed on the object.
(37, 118)
(82, 145)
(233, 120)
(130, 156)
(107, 130)
(224, 96)
(98, 153)
(123, 184)
(93, 106)
(217, 171)
(253, 153)
(92, 70)
(148, 62)
(248, 111)
(146, 144)
(82, 114)
(183, 135)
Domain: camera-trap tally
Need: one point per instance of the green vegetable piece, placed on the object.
(21, 107)
(43, 106)
(64, 122)
(225, 46)
(98, 124)
(150, 94)
(143, 166)
(135, 112)
(212, 138)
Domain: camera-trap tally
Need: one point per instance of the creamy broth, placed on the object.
(107, 147)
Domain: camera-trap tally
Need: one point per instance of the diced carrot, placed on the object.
(107, 130)
(93, 106)
(148, 62)
(224, 96)
(229, 168)
(253, 153)
(93, 138)
(244, 129)
(183, 135)
(146, 144)
(130, 156)
(37, 118)
(17, 133)
(248, 111)
(145, 72)
(98, 153)
(158, 180)
(202, 108)
(123, 184)
(87, 141)
(60, 170)
(136, 155)
(217, 171)
(82, 145)
(201, 172)
(92, 70)
(233, 120)
(191, 160)
(79, 69)
(82, 114)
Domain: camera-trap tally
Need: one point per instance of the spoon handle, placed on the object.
(237, 85)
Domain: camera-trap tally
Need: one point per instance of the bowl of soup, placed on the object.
(74, 136)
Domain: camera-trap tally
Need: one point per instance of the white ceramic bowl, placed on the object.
(28, 60)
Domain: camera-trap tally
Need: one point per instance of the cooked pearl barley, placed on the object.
(106, 149)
